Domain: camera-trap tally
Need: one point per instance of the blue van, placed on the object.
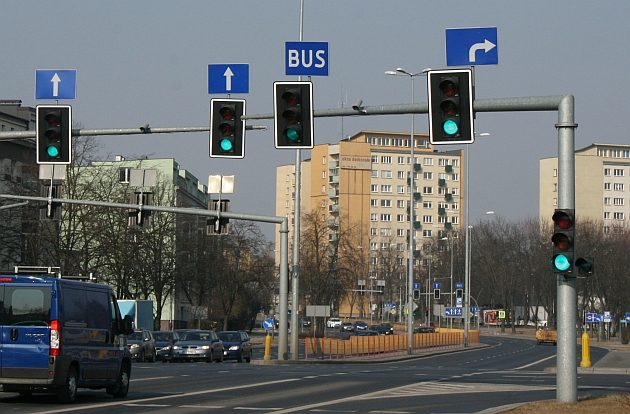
(57, 335)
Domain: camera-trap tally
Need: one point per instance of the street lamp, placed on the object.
(403, 72)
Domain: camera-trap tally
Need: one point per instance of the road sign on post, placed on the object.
(55, 84)
(306, 58)
(227, 129)
(228, 78)
(293, 114)
(451, 118)
(472, 46)
(54, 134)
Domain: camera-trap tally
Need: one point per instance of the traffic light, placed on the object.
(139, 217)
(54, 134)
(218, 225)
(436, 294)
(459, 293)
(584, 266)
(451, 117)
(416, 294)
(227, 129)
(563, 240)
(293, 114)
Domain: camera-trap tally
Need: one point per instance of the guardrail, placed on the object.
(365, 346)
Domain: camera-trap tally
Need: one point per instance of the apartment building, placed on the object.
(361, 184)
(602, 186)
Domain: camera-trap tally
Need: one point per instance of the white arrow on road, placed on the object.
(55, 81)
(228, 78)
(486, 46)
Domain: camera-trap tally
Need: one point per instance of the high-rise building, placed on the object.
(360, 185)
(602, 186)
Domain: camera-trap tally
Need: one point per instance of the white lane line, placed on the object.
(257, 408)
(205, 407)
(164, 397)
(150, 379)
(536, 362)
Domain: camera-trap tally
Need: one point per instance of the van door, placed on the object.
(24, 330)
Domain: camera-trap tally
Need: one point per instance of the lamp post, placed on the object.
(403, 72)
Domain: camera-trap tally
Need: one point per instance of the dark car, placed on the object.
(142, 345)
(424, 329)
(366, 332)
(346, 327)
(381, 329)
(388, 326)
(236, 345)
(198, 345)
(360, 326)
(305, 322)
(164, 341)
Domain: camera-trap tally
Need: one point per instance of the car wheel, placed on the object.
(211, 359)
(121, 388)
(249, 358)
(153, 356)
(68, 391)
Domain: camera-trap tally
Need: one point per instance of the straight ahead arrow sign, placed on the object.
(55, 81)
(228, 79)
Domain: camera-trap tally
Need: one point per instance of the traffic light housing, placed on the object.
(451, 117)
(54, 134)
(563, 240)
(138, 216)
(436, 294)
(293, 114)
(227, 128)
(416, 294)
(218, 225)
(584, 266)
(459, 293)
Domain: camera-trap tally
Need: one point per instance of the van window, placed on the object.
(25, 305)
(86, 308)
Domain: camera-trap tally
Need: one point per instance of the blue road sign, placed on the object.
(590, 317)
(416, 285)
(228, 78)
(437, 285)
(306, 58)
(459, 285)
(472, 46)
(56, 84)
(268, 324)
(453, 311)
(627, 316)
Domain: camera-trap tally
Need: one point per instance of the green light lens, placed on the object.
(450, 127)
(561, 263)
(52, 151)
(292, 134)
(226, 145)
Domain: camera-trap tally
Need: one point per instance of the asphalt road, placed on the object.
(508, 371)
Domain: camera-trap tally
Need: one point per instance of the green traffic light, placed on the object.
(450, 127)
(561, 263)
(292, 134)
(52, 151)
(226, 145)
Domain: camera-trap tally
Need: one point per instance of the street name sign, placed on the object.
(472, 46)
(453, 312)
(306, 58)
(56, 84)
(228, 78)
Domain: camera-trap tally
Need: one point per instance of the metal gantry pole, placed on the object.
(566, 377)
(411, 238)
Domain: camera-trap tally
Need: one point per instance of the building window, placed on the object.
(374, 188)
(606, 201)
(400, 232)
(324, 160)
(606, 172)
(618, 216)
(427, 175)
(386, 188)
(427, 190)
(374, 173)
(401, 160)
(427, 161)
(618, 201)
(374, 202)
(402, 175)
(607, 186)
(386, 159)
(323, 174)
(386, 217)
(427, 204)
(427, 219)
(373, 217)
(618, 172)
(386, 202)
(386, 174)
(427, 233)
(386, 232)
(618, 187)
(374, 159)
(373, 231)
(323, 189)
(400, 189)
(400, 203)
(401, 218)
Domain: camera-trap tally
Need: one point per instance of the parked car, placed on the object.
(333, 323)
(346, 327)
(366, 332)
(380, 329)
(195, 345)
(305, 322)
(164, 341)
(236, 345)
(360, 326)
(388, 326)
(142, 345)
(424, 329)
(58, 335)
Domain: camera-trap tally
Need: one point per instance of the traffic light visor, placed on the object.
(561, 241)
(449, 87)
(562, 219)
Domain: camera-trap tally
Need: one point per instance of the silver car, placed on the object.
(198, 345)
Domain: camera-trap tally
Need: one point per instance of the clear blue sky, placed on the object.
(145, 61)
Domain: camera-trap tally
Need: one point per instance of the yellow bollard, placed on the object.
(586, 352)
(267, 356)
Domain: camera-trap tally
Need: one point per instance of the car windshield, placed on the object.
(163, 336)
(230, 336)
(196, 336)
(136, 336)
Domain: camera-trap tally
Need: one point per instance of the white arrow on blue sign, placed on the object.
(306, 58)
(472, 46)
(56, 84)
(228, 78)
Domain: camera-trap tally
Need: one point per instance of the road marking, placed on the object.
(536, 362)
(147, 405)
(150, 379)
(256, 408)
(164, 397)
(209, 407)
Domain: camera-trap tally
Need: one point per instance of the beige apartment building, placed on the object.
(361, 185)
(602, 186)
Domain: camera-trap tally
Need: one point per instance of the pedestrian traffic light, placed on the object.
(416, 294)
(218, 225)
(227, 128)
(54, 134)
(293, 114)
(436, 294)
(451, 117)
(563, 240)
